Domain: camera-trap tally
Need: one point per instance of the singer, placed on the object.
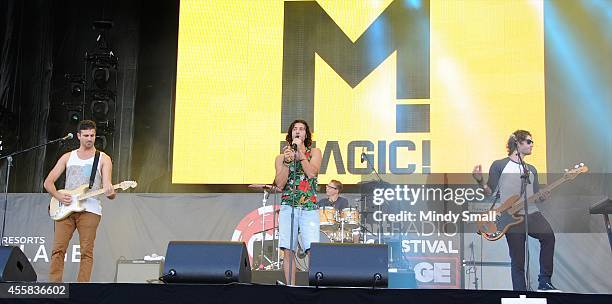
(296, 173)
(504, 181)
(79, 165)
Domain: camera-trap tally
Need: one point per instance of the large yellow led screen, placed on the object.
(420, 86)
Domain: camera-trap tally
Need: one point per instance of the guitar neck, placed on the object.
(519, 205)
(96, 192)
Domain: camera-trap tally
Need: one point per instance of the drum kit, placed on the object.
(337, 226)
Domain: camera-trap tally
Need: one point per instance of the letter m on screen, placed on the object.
(403, 27)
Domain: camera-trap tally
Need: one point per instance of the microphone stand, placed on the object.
(524, 182)
(274, 231)
(293, 203)
(367, 160)
(366, 231)
(380, 180)
(263, 227)
(9, 159)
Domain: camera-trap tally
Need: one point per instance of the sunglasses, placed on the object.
(529, 141)
(328, 186)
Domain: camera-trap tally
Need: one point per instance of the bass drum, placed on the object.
(301, 258)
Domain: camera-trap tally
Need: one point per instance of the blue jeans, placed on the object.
(306, 222)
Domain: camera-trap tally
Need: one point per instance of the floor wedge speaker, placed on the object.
(348, 265)
(214, 262)
(14, 266)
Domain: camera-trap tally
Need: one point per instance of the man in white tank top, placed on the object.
(78, 165)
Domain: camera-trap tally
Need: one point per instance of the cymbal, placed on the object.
(271, 188)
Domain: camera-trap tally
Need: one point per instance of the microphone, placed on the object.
(293, 144)
(67, 137)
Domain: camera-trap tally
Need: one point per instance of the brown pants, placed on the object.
(86, 223)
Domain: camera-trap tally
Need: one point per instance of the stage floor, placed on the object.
(261, 293)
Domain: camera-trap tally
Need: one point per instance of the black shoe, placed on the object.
(547, 287)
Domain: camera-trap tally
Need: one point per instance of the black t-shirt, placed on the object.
(339, 204)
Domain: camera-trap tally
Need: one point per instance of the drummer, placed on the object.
(334, 199)
(332, 190)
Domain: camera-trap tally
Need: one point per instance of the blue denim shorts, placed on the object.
(304, 221)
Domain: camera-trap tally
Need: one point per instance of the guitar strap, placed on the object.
(496, 197)
(94, 168)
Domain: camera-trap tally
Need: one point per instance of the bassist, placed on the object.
(505, 180)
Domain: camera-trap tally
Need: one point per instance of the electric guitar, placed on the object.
(59, 211)
(505, 215)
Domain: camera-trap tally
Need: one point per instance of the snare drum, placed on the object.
(350, 217)
(327, 216)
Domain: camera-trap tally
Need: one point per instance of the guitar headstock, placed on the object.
(572, 173)
(127, 184)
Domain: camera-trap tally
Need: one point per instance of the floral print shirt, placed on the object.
(305, 195)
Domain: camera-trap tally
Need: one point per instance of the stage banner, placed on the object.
(137, 225)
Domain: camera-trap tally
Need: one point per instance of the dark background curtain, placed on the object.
(25, 82)
(43, 44)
